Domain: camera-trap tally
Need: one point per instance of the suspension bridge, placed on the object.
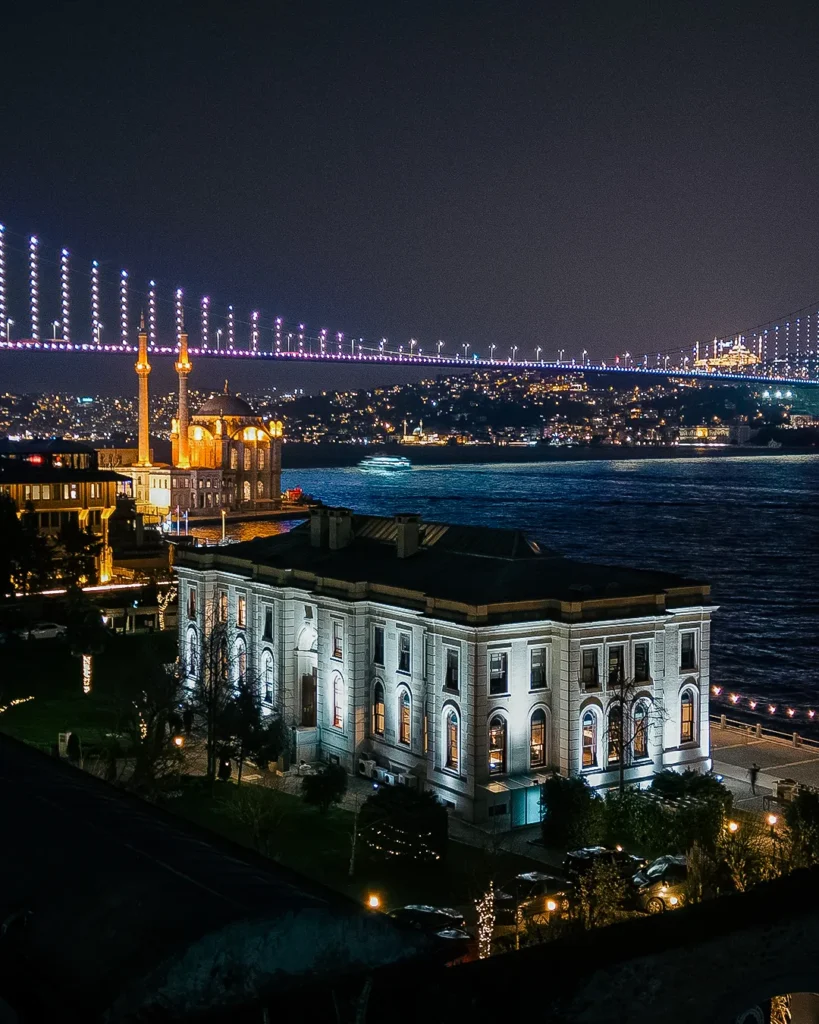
(60, 304)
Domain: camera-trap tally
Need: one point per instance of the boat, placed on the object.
(385, 464)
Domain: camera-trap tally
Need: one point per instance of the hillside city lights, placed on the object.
(65, 297)
(34, 287)
(96, 326)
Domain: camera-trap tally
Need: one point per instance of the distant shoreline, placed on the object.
(328, 456)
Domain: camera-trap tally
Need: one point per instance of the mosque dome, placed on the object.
(226, 405)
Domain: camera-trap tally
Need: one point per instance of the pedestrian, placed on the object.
(753, 771)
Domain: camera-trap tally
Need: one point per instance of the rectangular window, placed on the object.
(688, 652)
(26, 492)
(498, 672)
(260, 458)
(191, 602)
(223, 607)
(452, 677)
(616, 664)
(46, 492)
(338, 639)
(96, 490)
(537, 668)
(404, 651)
(241, 611)
(378, 645)
(642, 672)
(248, 457)
(268, 624)
(589, 673)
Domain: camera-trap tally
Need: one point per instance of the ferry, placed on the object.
(385, 464)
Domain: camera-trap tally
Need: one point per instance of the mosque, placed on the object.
(223, 457)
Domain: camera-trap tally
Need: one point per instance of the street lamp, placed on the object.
(98, 338)
(218, 338)
(538, 350)
(413, 343)
(466, 349)
(8, 329)
(626, 357)
(492, 353)
(54, 325)
(514, 352)
(440, 346)
(583, 357)
(224, 513)
(560, 355)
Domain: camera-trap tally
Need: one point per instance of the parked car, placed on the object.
(442, 924)
(578, 862)
(535, 896)
(661, 885)
(43, 631)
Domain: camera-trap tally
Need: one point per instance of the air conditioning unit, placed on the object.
(389, 779)
(379, 774)
(366, 768)
(410, 781)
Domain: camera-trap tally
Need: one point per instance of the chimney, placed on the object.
(407, 535)
(340, 531)
(143, 368)
(318, 527)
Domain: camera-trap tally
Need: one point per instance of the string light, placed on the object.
(34, 287)
(96, 326)
(86, 673)
(152, 312)
(254, 331)
(180, 315)
(791, 712)
(14, 703)
(3, 308)
(486, 922)
(231, 328)
(65, 297)
(123, 307)
(205, 325)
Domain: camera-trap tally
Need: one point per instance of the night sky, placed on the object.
(587, 175)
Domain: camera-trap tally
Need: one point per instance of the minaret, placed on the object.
(143, 368)
(183, 368)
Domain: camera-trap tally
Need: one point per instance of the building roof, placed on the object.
(226, 405)
(139, 914)
(464, 573)
(41, 446)
(14, 471)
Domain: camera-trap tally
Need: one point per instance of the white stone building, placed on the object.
(465, 660)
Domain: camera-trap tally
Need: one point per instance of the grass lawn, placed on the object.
(318, 845)
(46, 670)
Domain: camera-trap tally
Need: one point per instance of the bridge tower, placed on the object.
(143, 368)
(183, 367)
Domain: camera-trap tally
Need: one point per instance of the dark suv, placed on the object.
(578, 862)
(534, 896)
(661, 886)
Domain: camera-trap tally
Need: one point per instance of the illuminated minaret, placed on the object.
(183, 368)
(143, 368)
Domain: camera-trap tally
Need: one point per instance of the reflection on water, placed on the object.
(748, 525)
(243, 531)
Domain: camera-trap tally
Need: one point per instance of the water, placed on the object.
(749, 526)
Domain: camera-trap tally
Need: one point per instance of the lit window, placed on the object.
(378, 645)
(246, 490)
(688, 653)
(403, 651)
(589, 759)
(616, 665)
(260, 458)
(338, 698)
(338, 639)
(537, 739)
(615, 735)
(452, 740)
(234, 459)
(497, 746)
(223, 607)
(687, 717)
(378, 709)
(640, 731)
(193, 654)
(247, 459)
(537, 668)
(642, 672)
(452, 668)
(498, 672)
(425, 725)
(241, 611)
(267, 676)
(404, 718)
(589, 673)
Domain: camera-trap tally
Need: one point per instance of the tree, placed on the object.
(601, 895)
(241, 727)
(802, 818)
(78, 551)
(86, 632)
(621, 730)
(259, 809)
(325, 788)
(34, 561)
(399, 824)
(572, 815)
(212, 691)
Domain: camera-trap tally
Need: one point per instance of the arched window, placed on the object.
(537, 739)
(234, 458)
(260, 458)
(497, 745)
(246, 490)
(404, 718)
(615, 734)
(193, 654)
(589, 740)
(259, 488)
(338, 701)
(378, 709)
(191, 602)
(267, 676)
(248, 457)
(452, 740)
(687, 730)
(640, 731)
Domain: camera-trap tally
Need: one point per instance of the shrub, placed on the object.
(398, 824)
(572, 815)
(802, 818)
(326, 787)
(601, 895)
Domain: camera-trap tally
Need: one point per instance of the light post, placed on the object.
(224, 513)
(538, 350)
(8, 329)
(54, 325)
(466, 349)
(413, 343)
(583, 357)
(218, 338)
(98, 338)
(492, 353)
(626, 357)
(514, 352)
(560, 355)
(440, 346)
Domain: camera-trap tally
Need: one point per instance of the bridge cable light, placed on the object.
(96, 326)
(65, 295)
(152, 312)
(231, 328)
(3, 306)
(123, 307)
(205, 320)
(254, 331)
(180, 315)
(34, 286)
